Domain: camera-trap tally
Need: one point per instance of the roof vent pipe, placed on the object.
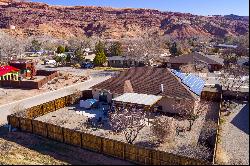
(162, 88)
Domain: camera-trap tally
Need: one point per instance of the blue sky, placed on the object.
(200, 7)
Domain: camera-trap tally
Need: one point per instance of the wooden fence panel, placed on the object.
(173, 159)
(130, 152)
(35, 112)
(113, 148)
(72, 137)
(55, 132)
(108, 147)
(13, 121)
(92, 142)
(60, 103)
(144, 156)
(48, 107)
(119, 148)
(67, 100)
(40, 128)
(156, 162)
(26, 124)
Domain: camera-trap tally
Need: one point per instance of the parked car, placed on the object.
(50, 62)
(87, 65)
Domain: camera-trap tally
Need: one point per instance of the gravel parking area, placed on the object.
(235, 136)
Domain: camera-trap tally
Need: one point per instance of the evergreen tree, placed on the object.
(79, 54)
(60, 49)
(68, 58)
(99, 47)
(100, 58)
(66, 49)
(174, 50)
(35, 45)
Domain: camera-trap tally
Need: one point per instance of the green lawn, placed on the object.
(109, 68)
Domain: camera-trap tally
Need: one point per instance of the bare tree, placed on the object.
(19, 110)
(231, 80)
(190, 111)
(144, 48)
(164, 128)
(11, 47)
(130, 122)
(193, 68)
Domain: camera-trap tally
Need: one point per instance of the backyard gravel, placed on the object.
(69, 117)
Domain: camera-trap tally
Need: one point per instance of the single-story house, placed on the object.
(161, 87)
(8, 73)
(213, 63)
(123, 61)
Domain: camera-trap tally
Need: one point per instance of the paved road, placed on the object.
(48, 96)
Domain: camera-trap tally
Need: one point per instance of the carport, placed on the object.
(135, 100)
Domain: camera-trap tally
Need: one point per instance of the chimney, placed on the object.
(127, 88)
(162, 88)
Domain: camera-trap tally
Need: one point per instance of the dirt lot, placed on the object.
(8, 95)
(69, 118)
(19, 148)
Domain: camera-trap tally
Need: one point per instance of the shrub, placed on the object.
(164, 129)
(66, 77)
(77, 65)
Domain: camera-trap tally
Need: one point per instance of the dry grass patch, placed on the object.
(221, 156)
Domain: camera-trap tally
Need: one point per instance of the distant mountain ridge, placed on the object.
(31, 18)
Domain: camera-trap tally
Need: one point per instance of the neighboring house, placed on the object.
(87, 51)
(164, 86)
(243, 61)
(212, 63)
(123, 61)
(226, 46)
(8, 73)
(25, 67)
(89, 58)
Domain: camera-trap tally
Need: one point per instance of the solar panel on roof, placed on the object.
(194, 83)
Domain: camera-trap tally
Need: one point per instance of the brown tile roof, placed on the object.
(148, 80)
(190, 58)
(128, 88)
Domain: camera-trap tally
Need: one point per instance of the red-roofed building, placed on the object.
(27, 67)
(8, 73)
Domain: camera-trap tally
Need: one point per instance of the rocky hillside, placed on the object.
(39, 18)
